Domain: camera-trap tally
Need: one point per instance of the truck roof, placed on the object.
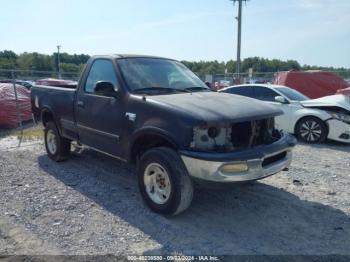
(116, 56)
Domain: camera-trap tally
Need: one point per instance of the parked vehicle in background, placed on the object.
(345, 92)
(56, 82)
(224, 83)
(313, 84)
(25, 83)
(156, 114)
(9, 115)
(310, 120)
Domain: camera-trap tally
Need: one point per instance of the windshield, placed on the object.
(292, 94)
(159, 75)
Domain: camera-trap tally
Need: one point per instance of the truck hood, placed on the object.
(212, 107)
(329, 101)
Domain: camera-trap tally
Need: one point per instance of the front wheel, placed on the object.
(164, 182)
(57, 147)
(311, 130)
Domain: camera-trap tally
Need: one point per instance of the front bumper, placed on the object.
(260, 162)
(338, 130)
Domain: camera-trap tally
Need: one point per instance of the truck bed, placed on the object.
(62, 104)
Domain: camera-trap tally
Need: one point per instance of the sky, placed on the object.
(314, 32)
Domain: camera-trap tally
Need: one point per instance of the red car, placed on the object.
(8, 107)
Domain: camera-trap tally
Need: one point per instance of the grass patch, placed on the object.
(30, 134)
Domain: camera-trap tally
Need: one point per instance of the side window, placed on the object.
(242, 91)
(100, 70)
(265, 94)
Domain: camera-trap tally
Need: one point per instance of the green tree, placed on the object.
(75, 63)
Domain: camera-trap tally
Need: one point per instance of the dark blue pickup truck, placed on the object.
(159, 116)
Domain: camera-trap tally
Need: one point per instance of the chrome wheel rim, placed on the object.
(51, 142)
(157, 183)
(310, 131)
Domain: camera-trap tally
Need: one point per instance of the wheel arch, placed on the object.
(47, 116)
(308, 112)
(146, 139)
(314, 116)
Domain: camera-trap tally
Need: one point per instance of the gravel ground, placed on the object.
(90, 205)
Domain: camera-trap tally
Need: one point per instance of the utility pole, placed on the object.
(58, 62)
(239, 30)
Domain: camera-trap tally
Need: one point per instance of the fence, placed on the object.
(33, 75)
(229, 78)
(16, 103)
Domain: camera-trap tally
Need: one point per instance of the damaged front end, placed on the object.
(237, 152)
(337, 111)
(235, 136)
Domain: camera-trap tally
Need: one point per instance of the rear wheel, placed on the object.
(164, 182)
(57, 147)
(311, 130)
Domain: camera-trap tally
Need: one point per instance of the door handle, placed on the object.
(80, 104)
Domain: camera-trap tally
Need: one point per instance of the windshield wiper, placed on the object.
(160, 88)
(196, 88)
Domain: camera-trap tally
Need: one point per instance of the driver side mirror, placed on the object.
(104, 88)
(281, 99)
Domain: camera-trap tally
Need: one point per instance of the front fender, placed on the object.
(153, 131)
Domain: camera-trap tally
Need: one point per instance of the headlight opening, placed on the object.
(212, 138)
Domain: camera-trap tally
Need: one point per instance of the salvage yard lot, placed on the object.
(90, 204)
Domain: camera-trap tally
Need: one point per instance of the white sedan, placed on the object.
(311, 120)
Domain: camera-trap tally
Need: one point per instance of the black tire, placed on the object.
(181, 187)
(62, 145)
(311, 130)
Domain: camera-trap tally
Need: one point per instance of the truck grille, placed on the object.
(254, 133)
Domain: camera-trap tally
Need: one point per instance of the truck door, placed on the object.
(99, 118)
